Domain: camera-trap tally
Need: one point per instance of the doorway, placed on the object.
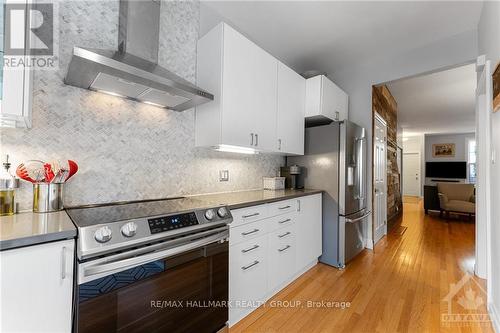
(380, 178)
(411, 174)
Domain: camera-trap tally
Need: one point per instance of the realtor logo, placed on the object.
(29, 36)
(465, 303)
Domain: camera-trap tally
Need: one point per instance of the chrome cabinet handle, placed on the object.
(256, 140)
(251, 141)
(286, 207)
(251, 215)
(284, 221)
(63, 263)
(279, 144)
(250, 249)
(256, 262)
(298, 205)
(285, 234)
(285, 248)
(250, 232)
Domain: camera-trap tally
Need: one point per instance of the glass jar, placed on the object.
(8, 184)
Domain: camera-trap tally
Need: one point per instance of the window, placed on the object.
(471, 160)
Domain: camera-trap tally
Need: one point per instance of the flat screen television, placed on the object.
(451, 170)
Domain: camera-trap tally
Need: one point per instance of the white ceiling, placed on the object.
(442, 102)
(329, 35)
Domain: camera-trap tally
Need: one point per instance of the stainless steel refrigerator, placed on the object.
(335, 161)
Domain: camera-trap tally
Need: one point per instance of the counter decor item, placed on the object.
(8, 184)
(274, 183)
(48, 182)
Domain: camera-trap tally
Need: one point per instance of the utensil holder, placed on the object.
(47, 197)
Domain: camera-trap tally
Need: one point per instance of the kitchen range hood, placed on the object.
(133, 72)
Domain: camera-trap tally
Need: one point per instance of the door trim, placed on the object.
(378, 117)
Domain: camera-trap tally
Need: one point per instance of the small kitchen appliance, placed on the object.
(152, 266)
(293, 176)
(274, 183)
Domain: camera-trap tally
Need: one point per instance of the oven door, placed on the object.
(174, 286)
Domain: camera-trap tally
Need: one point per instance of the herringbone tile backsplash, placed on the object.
(125, 150)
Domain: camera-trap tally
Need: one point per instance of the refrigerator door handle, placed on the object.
(348, 220)
(359, 167)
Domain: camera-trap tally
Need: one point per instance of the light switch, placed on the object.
(224, 175)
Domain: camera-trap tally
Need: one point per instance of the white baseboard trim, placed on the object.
(495, 319)
(369, 244)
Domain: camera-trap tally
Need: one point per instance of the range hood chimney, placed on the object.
(133, 71)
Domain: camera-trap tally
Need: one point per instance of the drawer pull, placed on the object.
(285, 207)
(251, 215)
(250, 232)
(285, 234)
(285, 248)
(250, 249)
(256, 262)
(284, 221)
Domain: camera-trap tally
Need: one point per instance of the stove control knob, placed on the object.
(103, 234)
(222, 212)
(129, 229)
(209, 214)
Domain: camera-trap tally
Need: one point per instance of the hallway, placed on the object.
(400, 287)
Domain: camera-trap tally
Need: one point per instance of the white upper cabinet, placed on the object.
(291, 111)
(243, 79)
(325, 100)
(15, 81)
(259, 102)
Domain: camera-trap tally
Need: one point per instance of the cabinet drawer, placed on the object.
(249, 214)
(281, 254)
(247, 277)
(249, 250)
(282, 207)
(248, 231)
(281, 221)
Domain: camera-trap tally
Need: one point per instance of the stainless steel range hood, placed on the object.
(132, 71)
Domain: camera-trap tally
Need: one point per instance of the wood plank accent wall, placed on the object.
(386, 106)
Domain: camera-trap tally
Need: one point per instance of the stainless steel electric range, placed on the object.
(151, 266)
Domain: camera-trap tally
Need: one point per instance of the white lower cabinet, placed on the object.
(37, 288)
(309, 227)
(281, 253)
(269, 258)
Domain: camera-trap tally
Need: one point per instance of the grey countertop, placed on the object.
(25, 229)
(243, 199)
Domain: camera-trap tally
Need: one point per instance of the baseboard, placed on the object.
(495, 319)
(368, 244)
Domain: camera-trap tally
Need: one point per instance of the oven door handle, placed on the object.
(123, 264)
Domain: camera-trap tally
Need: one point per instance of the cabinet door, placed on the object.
(264, 102)
(37, 288)
(329, 99)
(291, 111)
(15, 81)
(309, 230)
(238, 89)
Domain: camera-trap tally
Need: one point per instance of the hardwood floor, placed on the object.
(399, 287)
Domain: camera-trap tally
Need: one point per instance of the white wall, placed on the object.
(415, 144)
(460, 140)
(357, 81)
(489, 45)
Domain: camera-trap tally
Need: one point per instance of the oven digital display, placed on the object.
(167, 223)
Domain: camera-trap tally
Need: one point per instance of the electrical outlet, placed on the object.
(224, 175)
